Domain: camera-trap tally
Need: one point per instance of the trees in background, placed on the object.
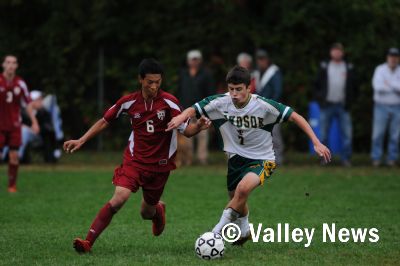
(58, 44)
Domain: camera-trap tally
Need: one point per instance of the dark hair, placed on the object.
(238, 75)
(150, 66)
(337, 45)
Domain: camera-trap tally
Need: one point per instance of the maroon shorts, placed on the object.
(10, 138)
(152, 183)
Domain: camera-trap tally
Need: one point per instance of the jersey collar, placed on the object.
(246, 104)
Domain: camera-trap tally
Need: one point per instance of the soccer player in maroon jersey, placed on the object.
(13, 92)
(149, 155)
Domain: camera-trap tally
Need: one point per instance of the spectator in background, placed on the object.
(216, 65)
(386, 85)
(335, 91)
(195, 83)
(268, 83)
(51, 134)
(245, 60)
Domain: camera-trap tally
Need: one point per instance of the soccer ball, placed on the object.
(209, 246)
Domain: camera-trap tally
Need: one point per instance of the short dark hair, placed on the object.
(337, 45)
(238, 75)
(150, 66)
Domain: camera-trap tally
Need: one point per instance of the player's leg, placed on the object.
(243, 220)
(152, 208)
(147, 211)
(14, 141)
(237, 205)
(254, 173)
(103, 219)
(236, 168)
(13, 165)
(156, 213)
(246, 208)
(239, 201)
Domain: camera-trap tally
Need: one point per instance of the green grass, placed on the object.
(58, 203)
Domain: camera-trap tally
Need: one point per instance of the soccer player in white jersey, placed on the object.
(244, 122)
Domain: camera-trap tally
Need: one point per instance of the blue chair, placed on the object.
(334, 137)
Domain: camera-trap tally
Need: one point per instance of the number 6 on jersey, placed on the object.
(150, 126)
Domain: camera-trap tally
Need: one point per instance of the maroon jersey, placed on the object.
(149, 147)
(12, 94)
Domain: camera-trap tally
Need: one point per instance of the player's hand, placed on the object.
(203, 123)
(323, 152)
(175, 122)
(72, 145)
(35, 128)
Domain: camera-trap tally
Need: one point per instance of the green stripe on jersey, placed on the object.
(199, 106)
(284, 110)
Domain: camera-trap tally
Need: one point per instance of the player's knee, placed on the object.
(117, 203)
(14, 159)
(119, 200)
(241, 193)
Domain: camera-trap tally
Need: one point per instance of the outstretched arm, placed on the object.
(179, 119)
(73, 145)
(319, 148)
(193, 129)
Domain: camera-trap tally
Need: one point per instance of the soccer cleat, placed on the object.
(12, 189)
(242, 240)
(159, 219)
(82, 246)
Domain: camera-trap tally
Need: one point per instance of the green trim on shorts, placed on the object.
(239, 166)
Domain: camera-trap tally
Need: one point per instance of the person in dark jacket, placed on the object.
(195, 83)
(335, 90)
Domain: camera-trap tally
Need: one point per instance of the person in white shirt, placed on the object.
(386, 85)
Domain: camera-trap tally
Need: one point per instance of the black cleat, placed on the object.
(242, 240)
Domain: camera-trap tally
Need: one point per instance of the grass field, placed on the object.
(55, 204)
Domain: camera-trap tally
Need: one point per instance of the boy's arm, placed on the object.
(73, 145)
(192, 129)
(319, 148)
(179, 119)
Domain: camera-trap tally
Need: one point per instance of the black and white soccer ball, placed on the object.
(209, 246)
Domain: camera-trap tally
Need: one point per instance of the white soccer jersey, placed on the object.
(244, 131)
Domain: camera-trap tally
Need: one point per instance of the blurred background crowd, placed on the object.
(336, 61)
